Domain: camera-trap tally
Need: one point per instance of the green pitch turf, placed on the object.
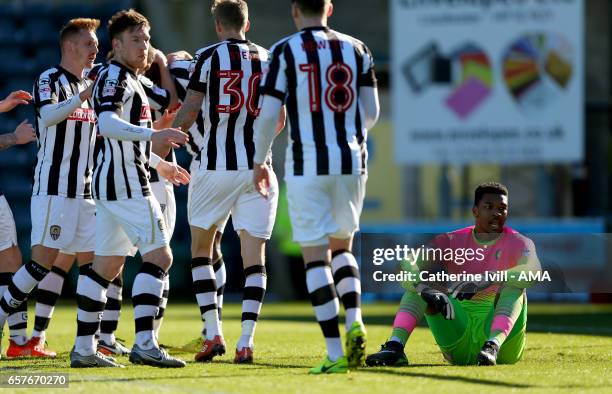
(559, 356)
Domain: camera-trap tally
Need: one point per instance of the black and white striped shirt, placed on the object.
(317, 73)
(180, 71)
(229, 74)
(64, 161)
(122, 167)
(159, 100)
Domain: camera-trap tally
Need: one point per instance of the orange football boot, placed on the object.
(210, 349)
(244, 356)
(33, 348)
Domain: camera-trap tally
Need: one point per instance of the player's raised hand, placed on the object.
(24, 133)
(261, 179)
(14, 99)
(178, 55)
(166, 120)
(173, 172)
(160, 58)
(171, 137)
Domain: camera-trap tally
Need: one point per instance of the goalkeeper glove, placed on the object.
(437, 300)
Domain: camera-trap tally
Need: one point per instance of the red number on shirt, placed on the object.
(233, 88)
(253, 86)
(313, 87)
(339, 94)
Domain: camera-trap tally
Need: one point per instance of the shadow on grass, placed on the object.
(452, 378)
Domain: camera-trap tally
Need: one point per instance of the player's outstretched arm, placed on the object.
(52, 114)
(172, 172)
(189, 110)
(23, 134)
(18, 97)
(112, 126)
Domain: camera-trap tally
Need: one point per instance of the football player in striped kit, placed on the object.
(181, 66)
(224, 86)
(62, 207)
(327, 81)
(127, 213)
(10, 255)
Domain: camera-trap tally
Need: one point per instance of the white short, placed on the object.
(8, 234)
(194, 167)
(63, 223)
(324, 206)
(124, 226)
(214, 195)
(164, 193)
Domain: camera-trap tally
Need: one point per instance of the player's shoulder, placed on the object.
(50, 74)
(262, 52)
(118, 73)
(518, 238)
(206, 52)
(113, 70)
(279, 45)
(354, 41)
(461, 231)
(260, 48)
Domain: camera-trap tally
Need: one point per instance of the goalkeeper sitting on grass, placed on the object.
(473, 322)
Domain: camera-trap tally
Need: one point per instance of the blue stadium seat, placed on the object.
(41, 31)
(47, 57)
(12, 60)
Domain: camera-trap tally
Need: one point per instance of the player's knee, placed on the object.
(11, 259)
(161, 257)
(337, 244)
(44, 256)
(65, 261)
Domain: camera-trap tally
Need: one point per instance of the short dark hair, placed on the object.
(311, 7)
(232, 14)
(74, 26)
(126, 20)
(491, 188)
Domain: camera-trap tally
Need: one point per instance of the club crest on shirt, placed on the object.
(110, 87)
(54, 232)
(44, 89)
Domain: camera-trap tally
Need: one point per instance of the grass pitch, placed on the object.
(570, 351)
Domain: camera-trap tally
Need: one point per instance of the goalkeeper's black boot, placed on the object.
(488, 354)
(390, 354)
